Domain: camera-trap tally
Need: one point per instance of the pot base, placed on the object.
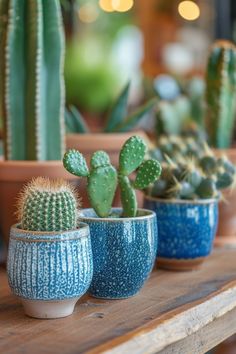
(49, 309)
(179, 265)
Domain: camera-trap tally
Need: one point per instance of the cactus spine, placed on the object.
(221, 93)
(31, 79)
(102, 177)
(47, 205)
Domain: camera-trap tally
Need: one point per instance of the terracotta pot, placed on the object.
(87, 144)
(13, 175)
(226, 233)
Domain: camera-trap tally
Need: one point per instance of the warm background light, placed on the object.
(88, 13)
(189, 10)
(122, 5)
(106, 5)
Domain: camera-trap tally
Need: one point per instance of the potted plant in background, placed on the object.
(50, 257)
(118, 128)
(185, 200)
(124, 241)
(220, 121)
(31, 97)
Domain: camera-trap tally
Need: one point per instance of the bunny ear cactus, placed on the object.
(102, 178)
(47, 205)
(31, 79)
(132, 158)
(221, 93)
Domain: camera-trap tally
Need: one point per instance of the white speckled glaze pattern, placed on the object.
(50, 266)
(186, 228)
(124, 251)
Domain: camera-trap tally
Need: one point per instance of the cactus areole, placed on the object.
(221, 93)
(31, 79)
(103, 178)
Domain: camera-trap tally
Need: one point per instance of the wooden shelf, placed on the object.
(174, 313)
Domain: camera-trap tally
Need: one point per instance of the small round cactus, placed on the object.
(47, 205)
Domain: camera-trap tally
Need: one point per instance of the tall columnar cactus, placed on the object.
(131, 159)
(102, 176)
(221, 93)
(31, 79)
(47, 205)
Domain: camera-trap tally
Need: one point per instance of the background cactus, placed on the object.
(31, 79)
(190, 171)
(46, 205)
(102, 177)
(221, 93)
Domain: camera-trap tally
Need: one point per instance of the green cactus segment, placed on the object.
(3, 23)
(131, 121)
(221, 93)
(75, 163)
(132, 155)
(148, 172)
(33, 97)
(47, 205)
(99, 159)
(119, 110)
(128, 197)
(207, 189)
(102, 184)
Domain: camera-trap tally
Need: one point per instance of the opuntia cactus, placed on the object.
(31, 79)
(221, 93)
(102, 176)
(131, 159)
(46, 205)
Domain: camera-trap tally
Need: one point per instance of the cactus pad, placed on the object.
(128, 197)
(147, 173)
(99, 158)
(102, 184)
(132, 155)
(47, 205)
(75, 163)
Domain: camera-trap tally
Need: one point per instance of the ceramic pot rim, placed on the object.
(50, 236)
(182, 201)
(148, 215)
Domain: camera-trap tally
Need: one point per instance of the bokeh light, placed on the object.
(189, 10)
(106, 5)
(122, 5)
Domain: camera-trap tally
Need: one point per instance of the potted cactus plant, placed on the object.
(31, 97)
(50, 257)
(124, 240)
(185, 200)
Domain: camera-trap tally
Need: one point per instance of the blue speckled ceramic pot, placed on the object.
(49, 271)
(186, 231)
(124, 251)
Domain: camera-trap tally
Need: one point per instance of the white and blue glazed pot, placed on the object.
(124, 252)
(49, 271)
(186, 231)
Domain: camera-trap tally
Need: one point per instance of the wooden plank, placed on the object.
(193, 300)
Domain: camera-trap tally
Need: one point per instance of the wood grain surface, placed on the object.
(184, 313)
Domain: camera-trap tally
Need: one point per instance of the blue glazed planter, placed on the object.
(186, 231)
(49, 271)
(124, 251)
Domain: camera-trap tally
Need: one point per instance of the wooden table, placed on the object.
(179, 313)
